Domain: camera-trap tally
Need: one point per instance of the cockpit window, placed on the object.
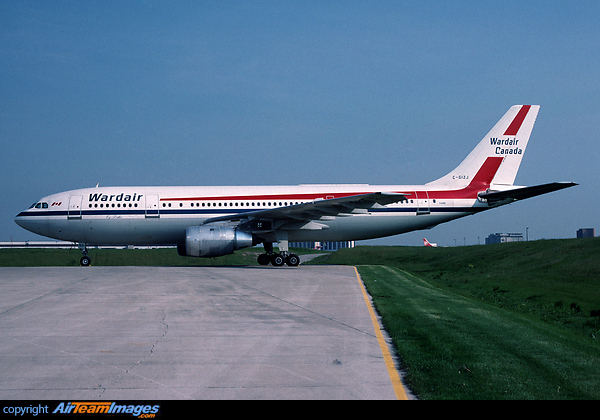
(39, 205)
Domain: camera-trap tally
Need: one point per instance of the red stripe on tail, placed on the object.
(514, 126)
(486, 173)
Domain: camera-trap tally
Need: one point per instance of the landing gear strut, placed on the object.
(277, 259)
(85, 261)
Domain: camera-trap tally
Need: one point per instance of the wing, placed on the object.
(524, 192)
(307, 215)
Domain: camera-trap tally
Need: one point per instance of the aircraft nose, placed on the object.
(25, 222)
(19, 220)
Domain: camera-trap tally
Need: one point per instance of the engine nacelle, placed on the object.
(213, 241)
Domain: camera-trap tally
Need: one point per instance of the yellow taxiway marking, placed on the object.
(387, 357)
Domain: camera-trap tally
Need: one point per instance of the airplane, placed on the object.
(208, 222)
(427, 243)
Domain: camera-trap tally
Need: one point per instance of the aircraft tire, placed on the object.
(263, 259)
(292, 260)
(277, 260)
(85, 261)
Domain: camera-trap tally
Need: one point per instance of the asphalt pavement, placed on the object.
(165, 333)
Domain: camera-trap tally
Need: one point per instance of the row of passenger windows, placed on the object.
(219, 204)
(101, 205)
(215, 204)
(239, 204)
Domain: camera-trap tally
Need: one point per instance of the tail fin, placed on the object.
(427, 243)
(507, 140)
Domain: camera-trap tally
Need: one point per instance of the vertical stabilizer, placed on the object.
(507, 140)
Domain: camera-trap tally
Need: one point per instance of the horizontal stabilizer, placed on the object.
(524, 192)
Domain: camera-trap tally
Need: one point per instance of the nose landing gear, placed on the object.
(85, 261)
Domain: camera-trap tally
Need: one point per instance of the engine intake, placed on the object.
(213, 241)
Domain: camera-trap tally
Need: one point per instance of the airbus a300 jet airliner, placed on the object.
(215, 221)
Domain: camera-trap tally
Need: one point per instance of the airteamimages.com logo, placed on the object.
(142, 411)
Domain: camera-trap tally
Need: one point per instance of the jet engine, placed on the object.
(213, 241)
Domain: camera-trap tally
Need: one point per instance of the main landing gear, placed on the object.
(277, 259)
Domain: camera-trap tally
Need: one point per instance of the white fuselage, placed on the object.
(160, 215)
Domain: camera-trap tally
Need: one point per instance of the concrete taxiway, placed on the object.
(103, 333)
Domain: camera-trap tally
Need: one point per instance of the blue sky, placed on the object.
(253, 92)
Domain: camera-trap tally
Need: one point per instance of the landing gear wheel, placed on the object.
(292, 260)
(85, 261)
(277, 260)
(263, 259)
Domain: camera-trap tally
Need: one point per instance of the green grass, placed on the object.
(103, 257)
(506, 321)
(453, 347)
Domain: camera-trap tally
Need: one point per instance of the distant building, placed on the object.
(586, 233)
(325, 246)
(498, 238)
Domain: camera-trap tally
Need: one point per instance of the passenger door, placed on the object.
(74, 211)
(422, 202)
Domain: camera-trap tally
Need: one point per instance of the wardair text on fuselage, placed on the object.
(115, 197)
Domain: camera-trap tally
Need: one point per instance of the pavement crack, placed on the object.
(153, 347)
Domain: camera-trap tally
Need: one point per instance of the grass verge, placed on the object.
(453, 347)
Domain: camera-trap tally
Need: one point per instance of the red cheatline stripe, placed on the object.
(514, 126)
(278, 197)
